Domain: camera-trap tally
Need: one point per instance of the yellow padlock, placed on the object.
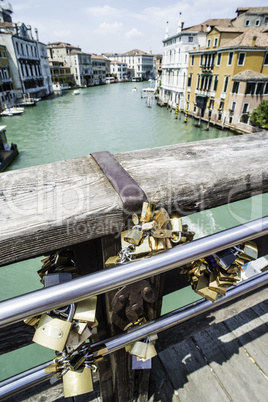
(77, 382)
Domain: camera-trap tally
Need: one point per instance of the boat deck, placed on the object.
(225, 361)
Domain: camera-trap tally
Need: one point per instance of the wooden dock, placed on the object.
(227, 361)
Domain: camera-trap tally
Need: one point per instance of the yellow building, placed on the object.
(212, 85)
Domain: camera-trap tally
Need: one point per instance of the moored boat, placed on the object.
(12, 111)
(7, 152)
(76, 92)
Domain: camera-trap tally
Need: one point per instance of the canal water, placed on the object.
(113, 118)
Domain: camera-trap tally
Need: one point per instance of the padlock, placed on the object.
(77, 382)
(251, 250)
(135, 219)
(75, 339)
(157, 244)
(150, 351)
(134, 236)
(161, 233)
(139, 349)
(147, 212)
(225, 258)
(213, 285)
(53, 332)
(112, 261)
(86, 310)
(176, 224)
(142, 249)
(162, 217)
(203, 290)
(140, 364)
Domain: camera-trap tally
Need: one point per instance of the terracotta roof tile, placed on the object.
(247, 75)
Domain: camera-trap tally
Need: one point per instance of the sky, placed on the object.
(117, 26)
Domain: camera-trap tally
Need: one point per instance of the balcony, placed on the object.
(207, 69)
(223, 95)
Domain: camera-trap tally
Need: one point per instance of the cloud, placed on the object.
(106, 28)
(133, 33)
(103, 11)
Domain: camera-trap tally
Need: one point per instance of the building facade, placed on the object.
(8, 95)
(100, 67)
(119, 70)
(216, 71)
(139, 62)
(176, 57)
(28, 62)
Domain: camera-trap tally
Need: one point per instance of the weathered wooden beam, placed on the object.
(48, 207)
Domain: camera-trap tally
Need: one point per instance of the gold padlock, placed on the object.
(53, 332)
(147, 212)
(143, 248)
(75, 339)
(176, 224)
(77, 382)
(251, 250)
(162, 217)
(150, 351)
(134, 236)
(86, 310)
(112, 261)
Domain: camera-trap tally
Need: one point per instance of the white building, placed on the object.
(81, 68)
(175, 60)
(28, 62)
(100, 66)
(119, 70)
(141, 63)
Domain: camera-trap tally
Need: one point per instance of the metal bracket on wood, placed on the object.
(131, 194)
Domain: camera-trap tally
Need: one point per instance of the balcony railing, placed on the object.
(207, 69)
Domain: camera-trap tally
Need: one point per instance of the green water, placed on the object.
(116, 119)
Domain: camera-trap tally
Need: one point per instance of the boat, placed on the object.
(134, 89)
(76, 92)
(7, 152)
(27, 101)
(12, 111)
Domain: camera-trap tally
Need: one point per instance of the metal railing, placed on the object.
(40, 301)
(35, 376)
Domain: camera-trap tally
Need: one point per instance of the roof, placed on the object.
(209, 23)
(245, 39)
(63, 44)
(134, 52)
(252, 10)
(95, 56)
(249, 75)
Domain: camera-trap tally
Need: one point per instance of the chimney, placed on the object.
(179, 24)
(253, 41)
(166, 35)
(182, 25)
(36, 33)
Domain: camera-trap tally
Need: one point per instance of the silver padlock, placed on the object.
(77, 382)
(53, 332)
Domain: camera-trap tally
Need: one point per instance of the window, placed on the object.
(211, 104)
(192, 60)
(208, 43)
(221, 105)
(190, 39)
(230, 119)
(265, 61)
(190, 80)
(233, 106)
(257, 23)
(215, 42)
(266, 20)
(201, 60)
(230, 58)
(215, 83)
(209, 113)
(245, 108)
(218, 59)
(226, 80)
(250, 88)
(266, 89)
(241, 59)
(235, 87)
(260, 88)
(247, 23)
